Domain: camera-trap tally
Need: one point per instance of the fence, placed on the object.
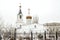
(38, 36)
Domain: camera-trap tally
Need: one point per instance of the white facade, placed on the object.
(52, 26)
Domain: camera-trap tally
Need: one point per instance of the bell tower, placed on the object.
(19, 16)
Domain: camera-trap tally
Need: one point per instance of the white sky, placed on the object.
(47, 10)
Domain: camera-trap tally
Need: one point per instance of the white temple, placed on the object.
(31, 25)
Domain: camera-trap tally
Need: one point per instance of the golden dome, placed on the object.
(28, 17)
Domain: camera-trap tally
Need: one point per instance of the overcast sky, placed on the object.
(46, 10)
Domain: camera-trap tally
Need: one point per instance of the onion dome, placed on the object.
(28, 17)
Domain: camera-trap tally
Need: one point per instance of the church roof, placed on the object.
(20, 12)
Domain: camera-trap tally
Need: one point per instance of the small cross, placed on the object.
(20, 5)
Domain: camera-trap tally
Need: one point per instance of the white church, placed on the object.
(32, 24)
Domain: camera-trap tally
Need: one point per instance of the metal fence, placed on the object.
(38, 36)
